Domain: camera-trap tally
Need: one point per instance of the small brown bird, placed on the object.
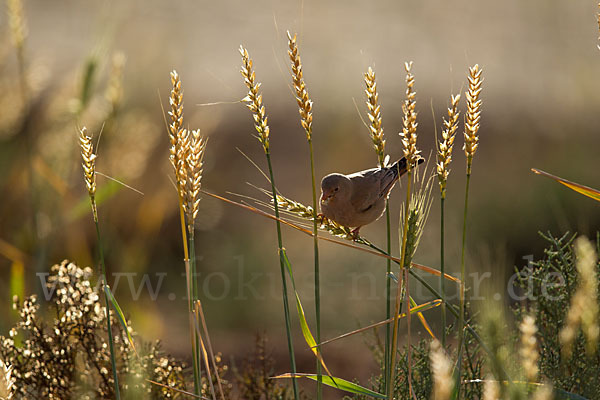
(358, 199)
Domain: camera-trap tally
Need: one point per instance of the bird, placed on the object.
(358, 199)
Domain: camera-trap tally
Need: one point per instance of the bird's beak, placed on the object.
(325, 198)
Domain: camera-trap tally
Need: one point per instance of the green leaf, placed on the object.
(338, 383)
(120, 315)
(308, 337)
(585, 190)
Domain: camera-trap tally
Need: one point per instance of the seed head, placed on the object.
(89, 167)
(446, 145)
(442, 372)
(16, 21)
(528, 351)
(304, 102)
(89, 161)
(193, 175)
(584, 303)
(254, 100)
(376, 128)
(176, 123)
(473, 114)
(409, 131)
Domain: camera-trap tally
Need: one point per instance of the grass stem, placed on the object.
(388, 296)
(113, 360)
(390, 392)
(461, 317)
(317, 273)
(286, 307)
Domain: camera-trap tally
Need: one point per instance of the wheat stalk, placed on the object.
(584, 303)
(446, 145)
(253, 100)
(409, 131)
(306, 212)
(16, 22)
(528, 350)
(441, 367)
(89, 167)
(473, 115)
(193, 177)
(374, 113)
(302, 98)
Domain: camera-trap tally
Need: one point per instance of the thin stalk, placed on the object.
(113, 360)
(442, 280)
(286, 308)
(388, 296)
(461, 317)
(390, 393)
(194, 295)
(317, 278)
(190, 294)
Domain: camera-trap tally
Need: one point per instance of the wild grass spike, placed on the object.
(473, 115)
(446, 145)
(16, 21)
(254, 100)
(304, 101)
(306, 212)
(441, 367)
(409, 131)
(193, 164)
(89, 167)
(529, 351)
(584, 303)
(491, 389)
(376, 127)
(176, 126)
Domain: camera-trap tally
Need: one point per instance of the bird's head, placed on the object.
(333, 186)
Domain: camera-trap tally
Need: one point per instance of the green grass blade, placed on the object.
(337, 383)
(120, 316)
(584, 190)
(308, 336)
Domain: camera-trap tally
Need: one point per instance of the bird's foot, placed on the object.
(355, 234)
(321, 218)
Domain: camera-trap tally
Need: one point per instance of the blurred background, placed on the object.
(105, 65)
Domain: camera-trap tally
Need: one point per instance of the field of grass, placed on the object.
(161, 233)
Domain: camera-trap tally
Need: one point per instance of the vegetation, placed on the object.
(543, 345)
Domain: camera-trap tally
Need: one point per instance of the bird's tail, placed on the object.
(401, 166)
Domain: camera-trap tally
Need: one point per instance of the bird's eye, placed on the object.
(336, 189)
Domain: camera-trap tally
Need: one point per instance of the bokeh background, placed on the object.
(106, 65)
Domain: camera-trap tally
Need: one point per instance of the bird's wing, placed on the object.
(369, 186)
